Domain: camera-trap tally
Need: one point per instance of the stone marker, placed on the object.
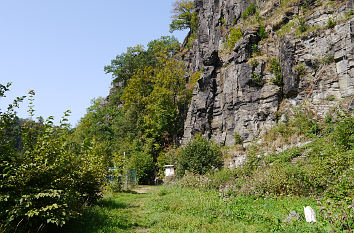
(293, 216)
(310, 214)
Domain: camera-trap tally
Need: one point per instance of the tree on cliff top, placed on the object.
(184, 16)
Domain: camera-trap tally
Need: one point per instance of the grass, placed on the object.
(175, 209)
(114, 213)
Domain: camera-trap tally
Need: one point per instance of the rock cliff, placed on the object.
(237, 94)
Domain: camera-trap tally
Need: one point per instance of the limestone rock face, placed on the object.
(317, 67)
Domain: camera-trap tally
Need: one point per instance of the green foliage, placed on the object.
(276, 70)
(331, 98)
(184, 16)
(302, 27)
(125, 64)
(344, 132)
(328, 59)
(223, 22)
(199, 156)
(168, 157)
(250, 10)
(50, 180)
(235, 35)
(300, 70)
(159, 96)
(136, 58)
(255, 50)
(191, 40)
(257, 79)
(238, 138)
(144, 165)
(254, 62)
(144, 114)
(262, 33)
(286, 28)
(349, 14)
(176, 209)
(331, 23)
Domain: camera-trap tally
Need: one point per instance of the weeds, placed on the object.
(250, 10)
(276, 70)
(257, 79)
(234, 36)
(331, 23)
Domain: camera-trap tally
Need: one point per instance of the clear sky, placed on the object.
(59, 47)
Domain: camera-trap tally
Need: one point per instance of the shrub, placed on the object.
(343, 134)
(300, 70)
(254, 62)
(255, 50)
(234, 36)
(199, 156)
(250, 10)
(331, 23)
(49, 181)
(257, 79)
(276, 70)
(302, 25)
(262, 33)
(238, 139)
(328, 59)
(143, 163)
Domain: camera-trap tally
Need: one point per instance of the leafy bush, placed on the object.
(212, 180)
(143, 163)
(49, 181)
(199, 156)
(344, 132)
(235, 35)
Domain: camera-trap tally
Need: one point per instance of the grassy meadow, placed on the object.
(175, 209)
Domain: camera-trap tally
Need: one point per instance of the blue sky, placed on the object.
(59, 47)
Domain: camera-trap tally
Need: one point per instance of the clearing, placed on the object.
(174, 209)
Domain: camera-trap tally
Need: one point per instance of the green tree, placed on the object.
(199, 156)
(184, 16)
(124, 65)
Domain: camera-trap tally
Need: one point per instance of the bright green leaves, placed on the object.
(158, 93)
(125, 64)
(145, 109)
(44, 176)
(199, 157)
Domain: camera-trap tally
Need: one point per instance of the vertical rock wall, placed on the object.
(316, 67)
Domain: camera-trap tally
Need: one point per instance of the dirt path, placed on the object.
(144, 189)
